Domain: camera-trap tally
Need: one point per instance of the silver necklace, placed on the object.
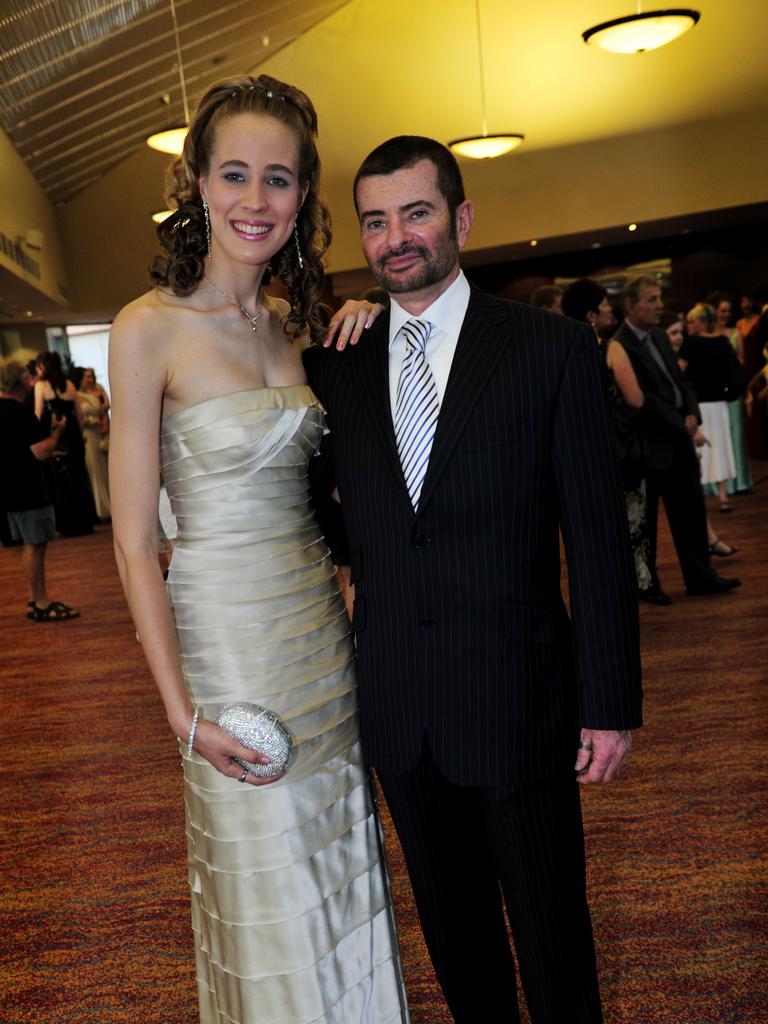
(252, 320)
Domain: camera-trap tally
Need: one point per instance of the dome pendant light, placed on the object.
(171, 140)
(485, 146)
(643, 31)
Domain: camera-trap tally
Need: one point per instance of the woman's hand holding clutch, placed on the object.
(218, 748)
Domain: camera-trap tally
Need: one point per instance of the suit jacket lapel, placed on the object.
(480, 345)
(371, 362)
(632, 343)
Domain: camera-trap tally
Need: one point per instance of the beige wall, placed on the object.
(688, 168)
(23, 341)
(109, 236)
(24, 205)
(691, 168)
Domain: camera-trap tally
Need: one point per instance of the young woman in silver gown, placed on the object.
(290, 901)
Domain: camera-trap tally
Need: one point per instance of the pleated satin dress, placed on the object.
(290, 901)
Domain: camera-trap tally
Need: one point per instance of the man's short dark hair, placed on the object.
(545, 296)
(582, 297)
(634, 286)
(406, 150)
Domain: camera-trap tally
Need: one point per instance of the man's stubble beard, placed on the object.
(434, 267)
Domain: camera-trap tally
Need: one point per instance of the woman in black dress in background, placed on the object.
(73, 498)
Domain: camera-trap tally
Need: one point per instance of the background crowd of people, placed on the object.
(687, 394)
(54, 439)
(723, 361)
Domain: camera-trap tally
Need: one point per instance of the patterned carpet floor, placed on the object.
(94, 919)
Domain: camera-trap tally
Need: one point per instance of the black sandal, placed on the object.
(726, 550)
(56, 611)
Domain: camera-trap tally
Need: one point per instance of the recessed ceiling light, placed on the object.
(632, 227)
(534, 242)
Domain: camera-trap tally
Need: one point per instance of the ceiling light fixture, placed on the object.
(484, 146)
(642, 31)
(171, 140)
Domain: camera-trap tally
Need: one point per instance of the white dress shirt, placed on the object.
(446, 314)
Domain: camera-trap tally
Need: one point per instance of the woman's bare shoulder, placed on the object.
(142, 314)
(149, 323)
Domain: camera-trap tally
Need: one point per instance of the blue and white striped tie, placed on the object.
(416, 407)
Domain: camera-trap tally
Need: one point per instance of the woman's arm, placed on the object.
(739, 346)
(620, 366)
(43, 450)
(78, 409)
(39, 398)
(104, 399)
(138, 381)
(138, 377)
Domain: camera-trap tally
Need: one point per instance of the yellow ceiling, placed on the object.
(376, 68)
(609, 138)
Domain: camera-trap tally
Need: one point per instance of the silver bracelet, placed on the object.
(192, 731)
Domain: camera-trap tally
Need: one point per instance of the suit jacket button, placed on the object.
(426, 623)
(418, 539)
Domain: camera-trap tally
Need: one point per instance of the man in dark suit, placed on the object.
(670, 420)
(468, 430)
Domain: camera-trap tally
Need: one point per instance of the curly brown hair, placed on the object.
(183, 235)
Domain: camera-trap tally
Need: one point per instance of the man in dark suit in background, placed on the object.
(466, 431)
(670, 420)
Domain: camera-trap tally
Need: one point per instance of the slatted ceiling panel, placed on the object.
(84, 82)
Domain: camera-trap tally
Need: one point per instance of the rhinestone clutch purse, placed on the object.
(260, 729)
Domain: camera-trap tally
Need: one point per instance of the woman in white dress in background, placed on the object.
(707, 359)
(94, 405)
(290, 902)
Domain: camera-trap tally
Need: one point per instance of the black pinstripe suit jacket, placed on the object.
(461, 628)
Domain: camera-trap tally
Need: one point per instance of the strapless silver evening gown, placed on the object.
(290, 901)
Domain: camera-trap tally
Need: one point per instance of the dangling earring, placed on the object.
(299, 257)
(207, 227)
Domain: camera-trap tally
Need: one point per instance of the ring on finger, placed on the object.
(244, 776)
(584, 746)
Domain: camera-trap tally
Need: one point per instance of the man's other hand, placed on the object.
(601, 754)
